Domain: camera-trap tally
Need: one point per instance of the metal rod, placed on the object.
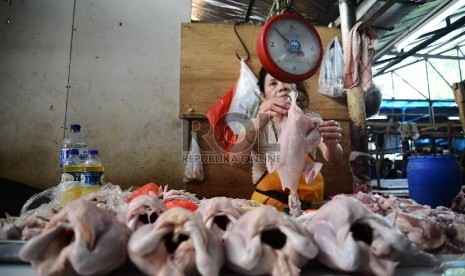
(348, 18)
(249, 10)
(362, 9)
(355, 96)
(457, 24)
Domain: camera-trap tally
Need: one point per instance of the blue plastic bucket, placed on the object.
(434, 180)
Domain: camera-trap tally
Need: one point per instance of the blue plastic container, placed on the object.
(434, 180)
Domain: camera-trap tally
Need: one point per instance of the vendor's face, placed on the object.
(275, 88)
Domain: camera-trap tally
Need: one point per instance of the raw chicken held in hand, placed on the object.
(299, 137)
(81, 239)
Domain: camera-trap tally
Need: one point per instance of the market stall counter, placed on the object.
(153, 230)
(453, 265)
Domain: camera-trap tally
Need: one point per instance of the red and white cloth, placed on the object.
(358, 52)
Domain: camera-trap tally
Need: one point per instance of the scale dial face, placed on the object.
(289, 48)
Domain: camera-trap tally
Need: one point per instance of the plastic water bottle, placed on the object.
(70, 185)
(90, 178)
(74, 140)
(92, 172)
(72, 167)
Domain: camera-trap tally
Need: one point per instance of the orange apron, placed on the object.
(269, 191)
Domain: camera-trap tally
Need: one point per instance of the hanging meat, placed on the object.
(299, 137)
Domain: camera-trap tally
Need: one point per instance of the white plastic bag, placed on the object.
(332, 70)
(194, 168)
(246, 100)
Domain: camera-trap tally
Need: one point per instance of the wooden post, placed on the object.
(459, 95)
(359, 159)
(356, 106)
(383, 151)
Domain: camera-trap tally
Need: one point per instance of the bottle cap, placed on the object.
(74, 151)
(75, 128)
(92, 151)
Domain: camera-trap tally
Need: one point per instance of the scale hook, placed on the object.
(242, 42)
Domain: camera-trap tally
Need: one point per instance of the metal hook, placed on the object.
(242, 42)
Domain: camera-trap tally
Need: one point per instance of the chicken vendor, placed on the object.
(261, 135)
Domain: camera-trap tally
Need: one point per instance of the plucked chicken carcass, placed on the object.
(81, 239)
(8, 229)
(458, 203)
(351, 238)
(142, 210)
(178, 243)
(181, 195)
(438, 230)
(299, 137)
(219, 214)
(267, 242)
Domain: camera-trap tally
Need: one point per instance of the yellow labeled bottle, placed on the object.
(72, 167)
(71, 177)
(92, 172)
(81, 178)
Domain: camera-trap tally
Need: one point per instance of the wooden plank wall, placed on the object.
(209, 68)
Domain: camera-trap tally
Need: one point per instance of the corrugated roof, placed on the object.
(424, 44)
(391, 19)
(318, 12)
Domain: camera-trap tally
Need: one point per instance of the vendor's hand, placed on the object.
(274, 107)
(331, 133)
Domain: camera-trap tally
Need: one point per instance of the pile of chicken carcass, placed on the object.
(172, 232)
